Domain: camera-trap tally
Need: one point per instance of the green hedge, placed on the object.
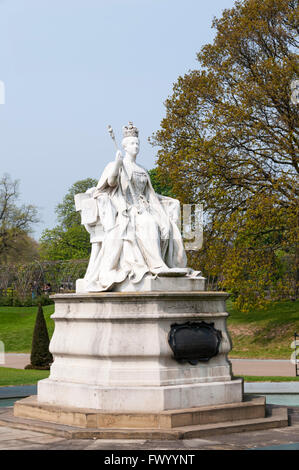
(10, 301)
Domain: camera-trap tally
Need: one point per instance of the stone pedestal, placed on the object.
(111, 353)
(150, 283)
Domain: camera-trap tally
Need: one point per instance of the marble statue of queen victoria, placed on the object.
(134, 232)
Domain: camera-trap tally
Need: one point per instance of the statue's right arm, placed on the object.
(112, 177)
(109, 176)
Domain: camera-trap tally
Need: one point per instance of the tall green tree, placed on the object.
(66, 211)
(230, 141)
(161, 186)
(69, 239)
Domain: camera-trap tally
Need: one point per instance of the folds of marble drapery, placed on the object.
(129, 240)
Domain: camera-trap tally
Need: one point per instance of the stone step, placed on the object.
(249, 409)
(252, 408)
(277, 419)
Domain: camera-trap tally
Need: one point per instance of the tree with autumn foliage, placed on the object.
(230, 141)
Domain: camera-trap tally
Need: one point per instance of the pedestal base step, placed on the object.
(277, 420)
(90, 418)
(173, 425)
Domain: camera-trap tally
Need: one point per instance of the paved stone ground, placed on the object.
(16, 361)
(257, 367)
(17, 439)
(263, 368)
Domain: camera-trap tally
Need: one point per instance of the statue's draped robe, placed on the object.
(122, 238)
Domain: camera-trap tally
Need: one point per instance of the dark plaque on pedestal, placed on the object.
(194, 342)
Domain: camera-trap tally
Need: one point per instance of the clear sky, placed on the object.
(71, 67)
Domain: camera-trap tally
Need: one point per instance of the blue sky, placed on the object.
(71, 67)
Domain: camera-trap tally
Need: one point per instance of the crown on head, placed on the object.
(130, 130)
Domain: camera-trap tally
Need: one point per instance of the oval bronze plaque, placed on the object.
(194, 342)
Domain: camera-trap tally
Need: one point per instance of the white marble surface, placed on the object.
(141, 399)
(151, 283)
(133, 231)
(111, 351)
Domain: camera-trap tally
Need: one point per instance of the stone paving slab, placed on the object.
(24, 440)
(242, 441)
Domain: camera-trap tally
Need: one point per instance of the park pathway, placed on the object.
(257, 367)
(263, 367)
(16, 361)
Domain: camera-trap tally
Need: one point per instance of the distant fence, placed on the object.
(31, 280)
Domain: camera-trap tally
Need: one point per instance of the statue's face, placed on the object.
(131, 146)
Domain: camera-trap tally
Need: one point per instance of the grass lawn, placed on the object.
(17, 324)
(262, 334)
(251, 378)
(20, 376)
(266, 333)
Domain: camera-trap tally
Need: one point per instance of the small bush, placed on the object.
(6, 301)
(40, 358)
(17, 302)
(43, 300)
